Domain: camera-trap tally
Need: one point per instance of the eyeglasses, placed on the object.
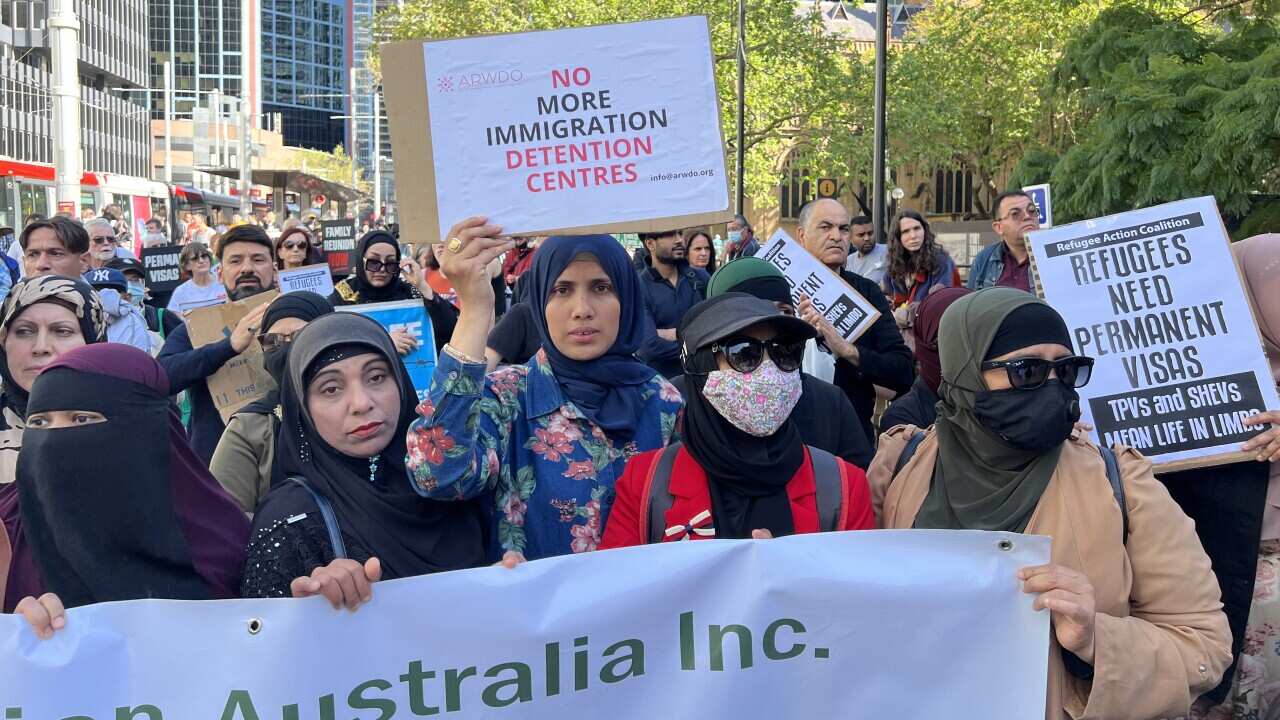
(391, 266)
(272, 341)
(300, 245)
(746, 355)
(1031, 373)
(103, 240)
(1020, 214)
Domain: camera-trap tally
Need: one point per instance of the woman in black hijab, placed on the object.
(743, 470)
(378, 279)
(347, 402)
(244, 462)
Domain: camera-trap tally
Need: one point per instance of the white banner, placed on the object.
(875, 624)
(845, 308)
(583, 126)
(314, 278)
(1154, 297)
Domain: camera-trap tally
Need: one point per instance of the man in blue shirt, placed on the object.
(671, 287)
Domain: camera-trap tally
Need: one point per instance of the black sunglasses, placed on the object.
(745, 355)
(299, 245)
(1030, 373)
(391, 266)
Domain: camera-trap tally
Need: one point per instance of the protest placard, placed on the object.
(164, 272)
(845, 308)
(338, 237)
(1155, 298)
(613, 128)
(315, 278)
(243, 379)
(410, 316)
(823, 625)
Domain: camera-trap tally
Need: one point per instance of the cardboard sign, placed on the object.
(611, 128)
(1043, 199)
(339, 242)
(243, 379)
(164, 272)
(845, 308)
(411, 316)
(1155, 298)
(315, 278)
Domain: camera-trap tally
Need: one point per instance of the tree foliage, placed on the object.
(334, 166)
(1172, 106)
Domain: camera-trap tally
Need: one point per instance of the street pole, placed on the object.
(215, 109)
(244, 158)
(742, 102)
(64, 39)
(168, 122)
(877, 184)
(377, 153)
(351, 101)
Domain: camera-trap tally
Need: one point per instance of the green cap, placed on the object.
(753, 276)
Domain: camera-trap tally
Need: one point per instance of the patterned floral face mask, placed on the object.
(757, 402)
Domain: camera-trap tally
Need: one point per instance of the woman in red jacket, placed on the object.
(742, 470)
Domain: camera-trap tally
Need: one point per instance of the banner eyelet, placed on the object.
(255, 626)
(1005, 545)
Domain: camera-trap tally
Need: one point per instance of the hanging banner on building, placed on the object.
(314, 278)
(243, 378)
(911, 625)
(613, 128)
(406, 316)
(339, 241)
(164, 271)
(845, 308)
(1155, 298)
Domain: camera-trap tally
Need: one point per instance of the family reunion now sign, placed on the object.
(609, 128)
(1155, 298)
(807, 626)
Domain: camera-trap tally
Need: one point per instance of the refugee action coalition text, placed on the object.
(1154, 297)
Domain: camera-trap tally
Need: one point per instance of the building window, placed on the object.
(952, 192)
(796, 188)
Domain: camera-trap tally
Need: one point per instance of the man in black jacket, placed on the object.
(246, 268)
(879, 357)
(671, 287)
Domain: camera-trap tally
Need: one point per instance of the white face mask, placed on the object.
(758, 402)
(735, 236)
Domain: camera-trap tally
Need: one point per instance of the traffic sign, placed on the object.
(318, 200)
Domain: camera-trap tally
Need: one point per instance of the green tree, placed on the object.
(802, 84)
(334, 166)
(1173, 105)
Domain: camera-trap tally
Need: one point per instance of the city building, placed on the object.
(113, 78)
(364, 87)
(304, 77)
(202, 41)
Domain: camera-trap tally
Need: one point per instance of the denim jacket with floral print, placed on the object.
(513, 435)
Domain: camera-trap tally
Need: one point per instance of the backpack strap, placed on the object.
(1117, 487)
(326, 512)
(829, 482)
(908, 452)
(656, 499)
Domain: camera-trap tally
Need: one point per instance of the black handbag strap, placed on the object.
(327, 514)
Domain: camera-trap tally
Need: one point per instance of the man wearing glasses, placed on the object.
(868, 258)
(104, 246)
(1006, 263)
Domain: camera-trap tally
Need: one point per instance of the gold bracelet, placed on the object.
(462, 357)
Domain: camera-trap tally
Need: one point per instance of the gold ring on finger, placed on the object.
(454, 245)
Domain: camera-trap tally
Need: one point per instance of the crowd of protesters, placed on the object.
(687, 375)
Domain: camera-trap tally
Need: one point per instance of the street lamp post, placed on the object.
(877, 180)
(742, 102)
(64, 38)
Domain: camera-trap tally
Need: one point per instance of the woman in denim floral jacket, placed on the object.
(547, 439)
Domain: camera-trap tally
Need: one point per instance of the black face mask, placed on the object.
(274, 361)
(1033, 420)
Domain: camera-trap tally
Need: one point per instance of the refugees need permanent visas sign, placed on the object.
(609, 128)
(1155, 298)
(848, 312)
(915, 624)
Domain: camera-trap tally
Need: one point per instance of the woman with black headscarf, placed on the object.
(347, 402)
(42, 318)
(544, 441)
(378, 278)
(1137, 624)
(244, 460)
(743, 470)
(115, 503)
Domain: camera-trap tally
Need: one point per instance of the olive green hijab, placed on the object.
(979, 481)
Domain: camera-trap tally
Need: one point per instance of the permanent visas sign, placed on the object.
(612, 128)
(1155, 297)
(845, 308)
(917, 624)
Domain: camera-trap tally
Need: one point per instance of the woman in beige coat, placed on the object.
(1138, 628)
